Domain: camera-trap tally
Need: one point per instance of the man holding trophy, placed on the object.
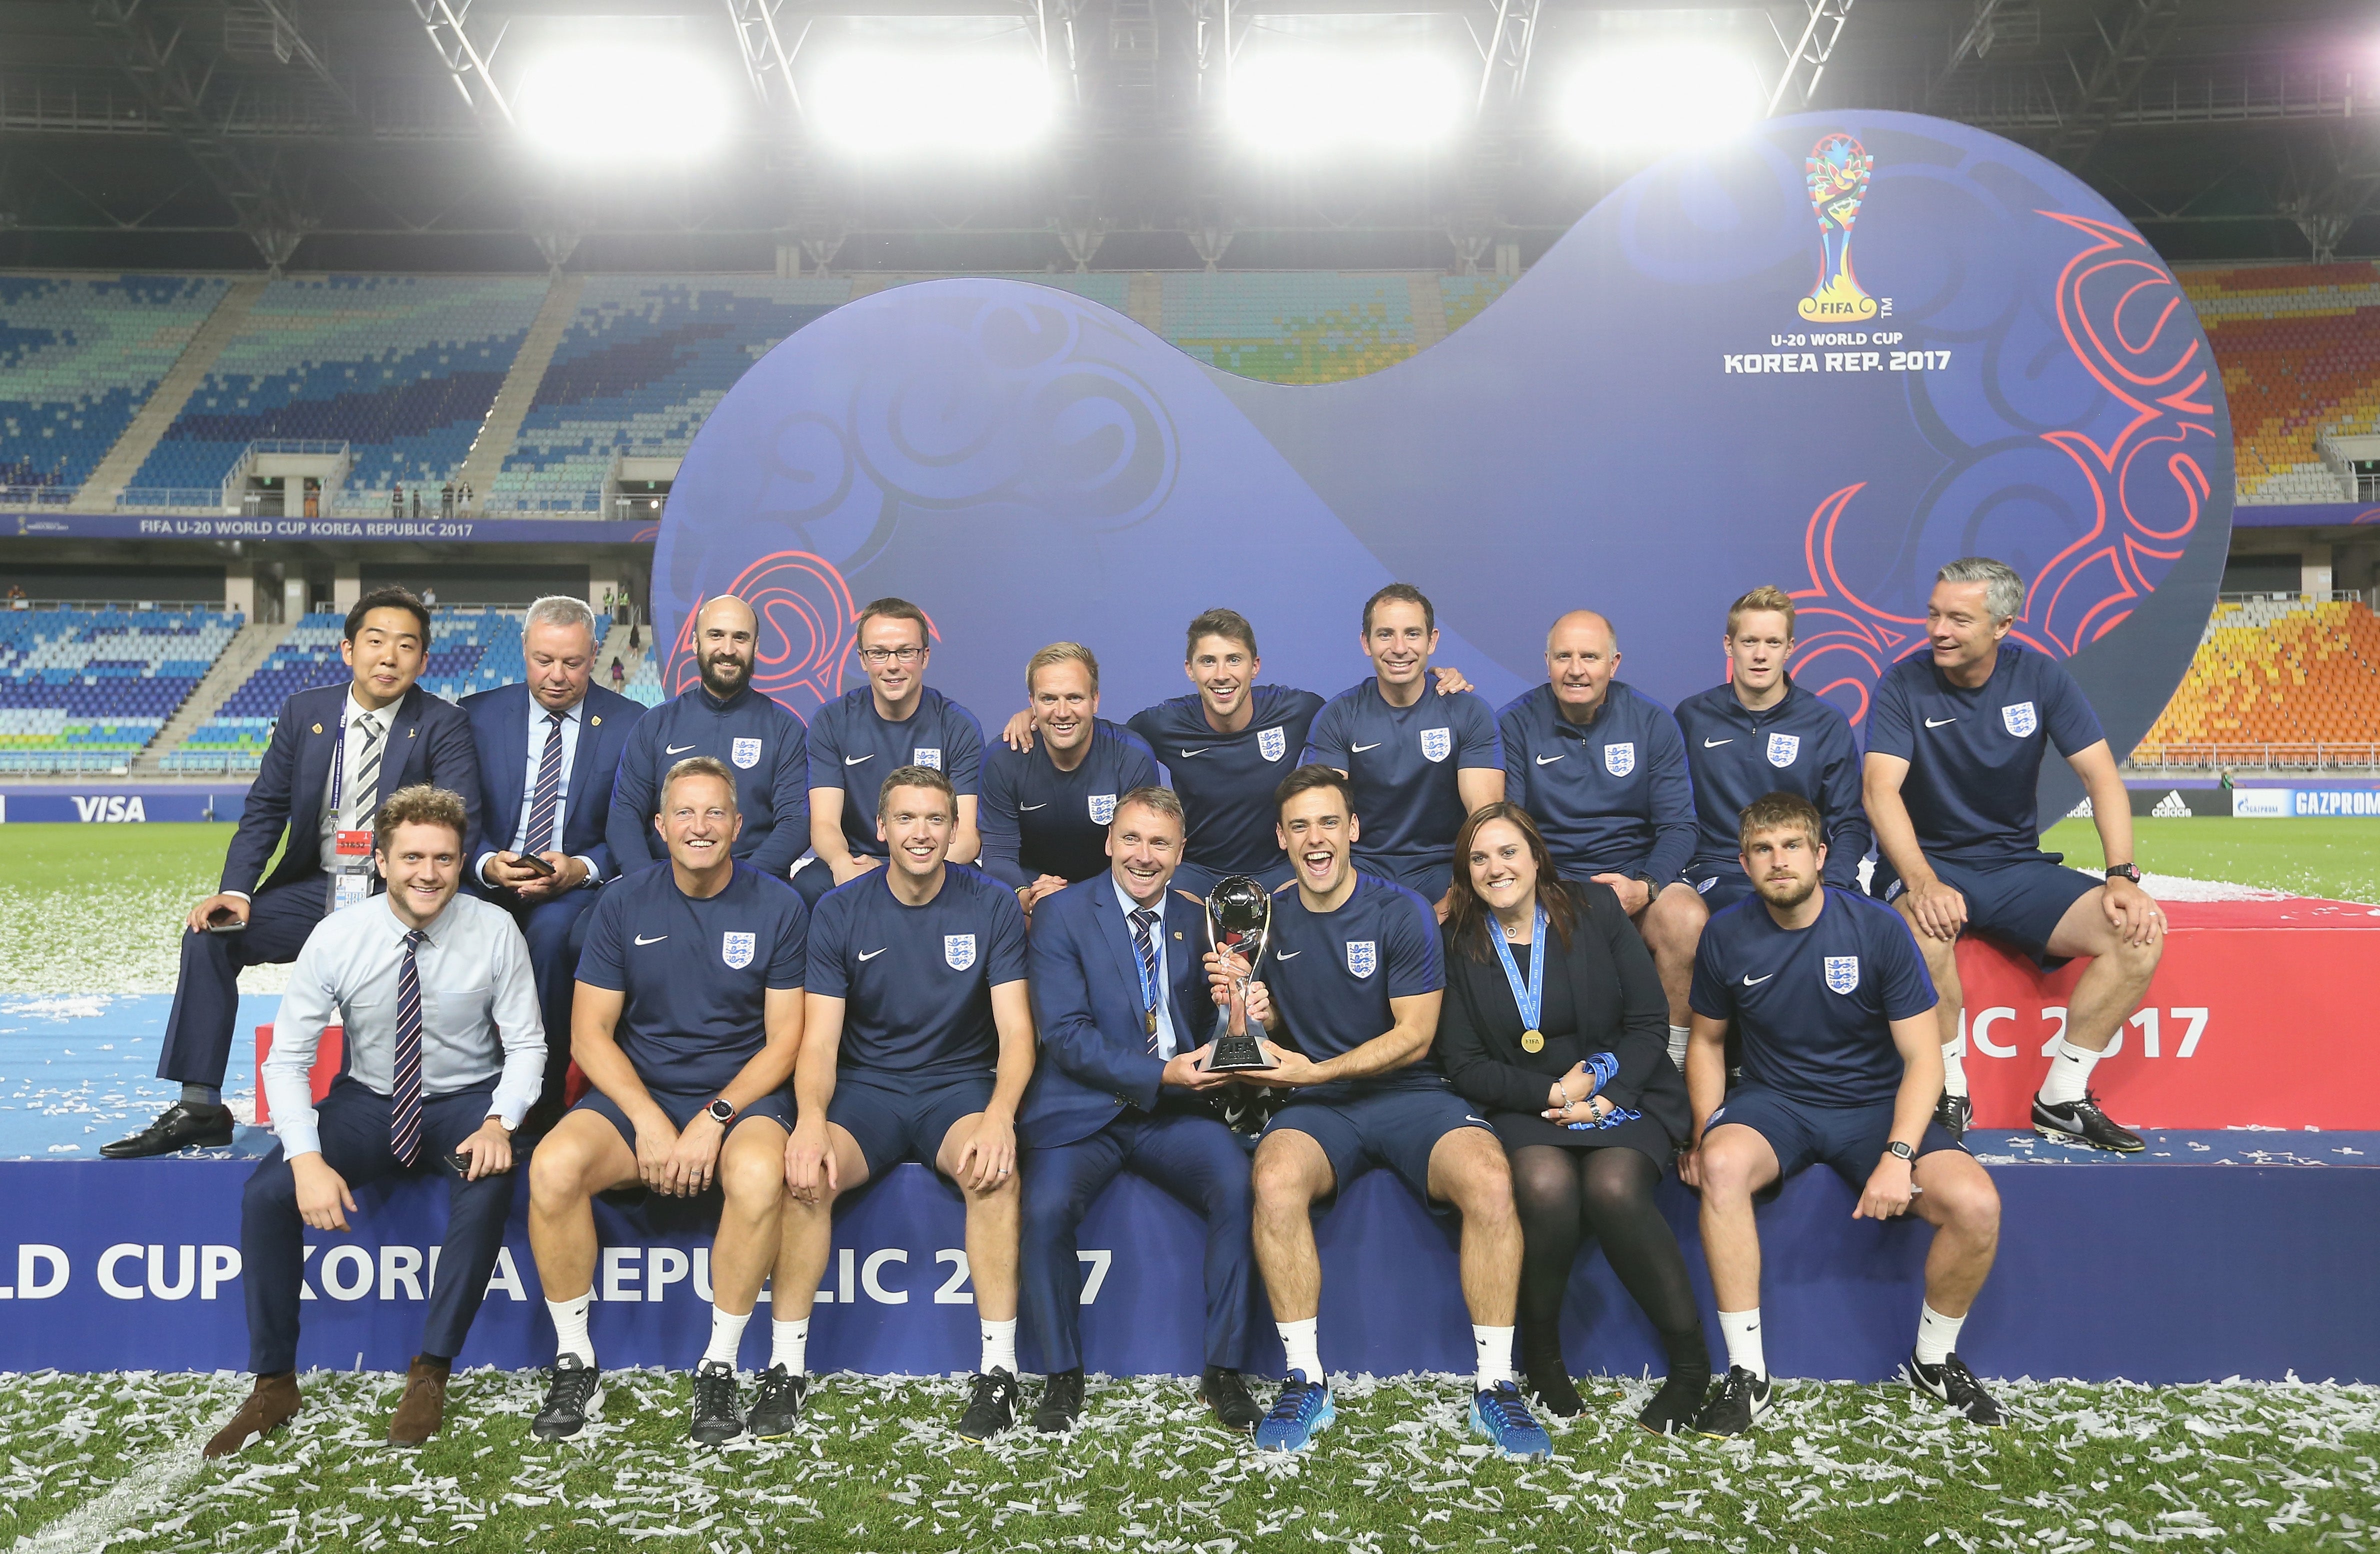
(1121, 1005)
(1356, 980)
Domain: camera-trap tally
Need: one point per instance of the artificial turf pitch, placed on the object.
(110, 1460)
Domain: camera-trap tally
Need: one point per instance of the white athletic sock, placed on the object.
(1495, 1347)
(1954, 1068)
(570, 1328)
(1302, 1342)
(1678, 1046)
(1936, 1335)
(726, 1336)
(998, 1347)
(1742, 1330)
(789, 1345)
(2070, 1074)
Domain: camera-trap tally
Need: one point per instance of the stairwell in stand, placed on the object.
(249, 647)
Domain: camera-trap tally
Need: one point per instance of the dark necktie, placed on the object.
(549, 787)
(1145, 946)
(363, 792)
(404, 1092)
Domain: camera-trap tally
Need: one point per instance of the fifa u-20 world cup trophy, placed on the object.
(1239, 918)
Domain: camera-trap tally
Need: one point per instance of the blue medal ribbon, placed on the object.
(1530, 999)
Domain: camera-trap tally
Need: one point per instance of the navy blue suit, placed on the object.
(1096, 1107)
(500, 723)
(428, 741)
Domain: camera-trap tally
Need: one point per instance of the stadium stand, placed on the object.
(1465, 295)
(402, 369)
(2299, 347)
(2286, 672)
(86, 690)
(79, 356)
(1292, 328)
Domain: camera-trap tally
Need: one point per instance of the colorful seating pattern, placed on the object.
(1292, 328)
(79, 354)
(83, 690)
(2299, 347)
(2278, 672)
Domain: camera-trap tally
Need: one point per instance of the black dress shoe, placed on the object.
(183, 1125)
(1061, 1402)
(1226, 1391)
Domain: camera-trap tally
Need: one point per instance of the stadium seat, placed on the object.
(87, 690)
(79, 356)
(2299, 347)
(2275, 672)
(1292, 328)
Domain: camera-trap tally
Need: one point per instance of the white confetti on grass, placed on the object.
(876, 1467)
(115, 938)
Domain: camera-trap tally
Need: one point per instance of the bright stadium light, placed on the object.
(1662, 96)
(961, 102)
(615, 105)
(1305, 102)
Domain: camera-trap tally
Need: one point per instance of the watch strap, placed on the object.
(1903, 1150)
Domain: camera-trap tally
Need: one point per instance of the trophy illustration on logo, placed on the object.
(1837, 170)
(1239, 918)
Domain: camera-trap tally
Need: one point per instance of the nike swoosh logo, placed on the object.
(676, 749)
(871, 954)
(1714, 743)
(1044, 805)
(1756, 981)
(1199, 751)
(1288, 954)
(654, 940)
(1932, 723)
(855, 760)
(1359, 749)
(1548, 761)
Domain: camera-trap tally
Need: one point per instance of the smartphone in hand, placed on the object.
(223, 919)
(539, 863)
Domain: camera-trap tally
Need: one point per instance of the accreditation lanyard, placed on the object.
(351, 882)
(1530, 999)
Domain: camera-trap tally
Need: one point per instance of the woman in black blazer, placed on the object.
(1584, 1095)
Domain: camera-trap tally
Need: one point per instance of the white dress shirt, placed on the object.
(348, 816)
(571, 722)
(1165, 1042)
(475, 981)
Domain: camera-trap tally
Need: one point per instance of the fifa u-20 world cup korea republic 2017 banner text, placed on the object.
(1830, 355)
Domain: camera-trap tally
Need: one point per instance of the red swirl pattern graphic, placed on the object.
(805, 621)
(2147, 486)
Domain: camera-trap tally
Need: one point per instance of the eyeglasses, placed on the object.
(880, 656)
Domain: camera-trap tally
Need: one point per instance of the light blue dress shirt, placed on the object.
(1165, 1043)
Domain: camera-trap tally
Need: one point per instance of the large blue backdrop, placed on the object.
(1830, 355)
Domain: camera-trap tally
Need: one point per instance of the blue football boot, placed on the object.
(1303, 1411)
(1501, 1415)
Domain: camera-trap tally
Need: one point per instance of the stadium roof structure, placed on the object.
(387, 134)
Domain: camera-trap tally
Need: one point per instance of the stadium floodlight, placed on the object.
(1302, 102)
(1662, 96)
(611, 105)
(961, 103)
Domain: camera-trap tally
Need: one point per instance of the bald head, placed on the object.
(725, 637)
(1582, 655)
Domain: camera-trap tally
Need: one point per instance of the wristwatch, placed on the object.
(2124, 871)
(719, 1111)
(1901, 1151)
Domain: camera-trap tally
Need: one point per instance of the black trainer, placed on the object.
(715, 1419)
(1061, 1402)
(1738, 1404)
(1954, 1114)
(573, 1395)
(1548, 1382)
(992, 1407)
(777, 1406)
(186, 1124)
(1674, 1409)
(1953, 1383)
(2083, 1120)
(1226, 1393)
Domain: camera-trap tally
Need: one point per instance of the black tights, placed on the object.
(1565, 1195)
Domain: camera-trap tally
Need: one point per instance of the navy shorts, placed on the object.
(1200, 880)
(1395, 1126)
(680, 1107)
(1720, 885)
(2022, 903)
(1849, 1138)
(893, 1117)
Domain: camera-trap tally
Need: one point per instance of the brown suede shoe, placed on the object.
(423, 1407)
(271, 1404)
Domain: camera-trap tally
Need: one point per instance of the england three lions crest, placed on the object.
(1437, 743)
(1843, 973)
(958, 950)
(1272, 744)
(930, 756)
(745, 753)
(1363, 956)
(2020, 718)
(1619, 759)
(736, 949)
(1782, 748)
(1102, 808)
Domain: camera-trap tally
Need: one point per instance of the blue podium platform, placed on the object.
(2214, 1255)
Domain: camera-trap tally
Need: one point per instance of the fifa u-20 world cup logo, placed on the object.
(1837, 169)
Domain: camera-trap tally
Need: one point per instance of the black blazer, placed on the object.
(1622, 1010)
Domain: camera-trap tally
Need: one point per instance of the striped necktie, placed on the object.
(1145, 946)
(363, 788)
(405, 1092)
(548, 788)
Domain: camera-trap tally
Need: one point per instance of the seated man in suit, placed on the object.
(1122, 1010)
(335, 751)
(548, 748)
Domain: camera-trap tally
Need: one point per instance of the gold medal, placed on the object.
(1149, 1021)
(1533, 1041)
